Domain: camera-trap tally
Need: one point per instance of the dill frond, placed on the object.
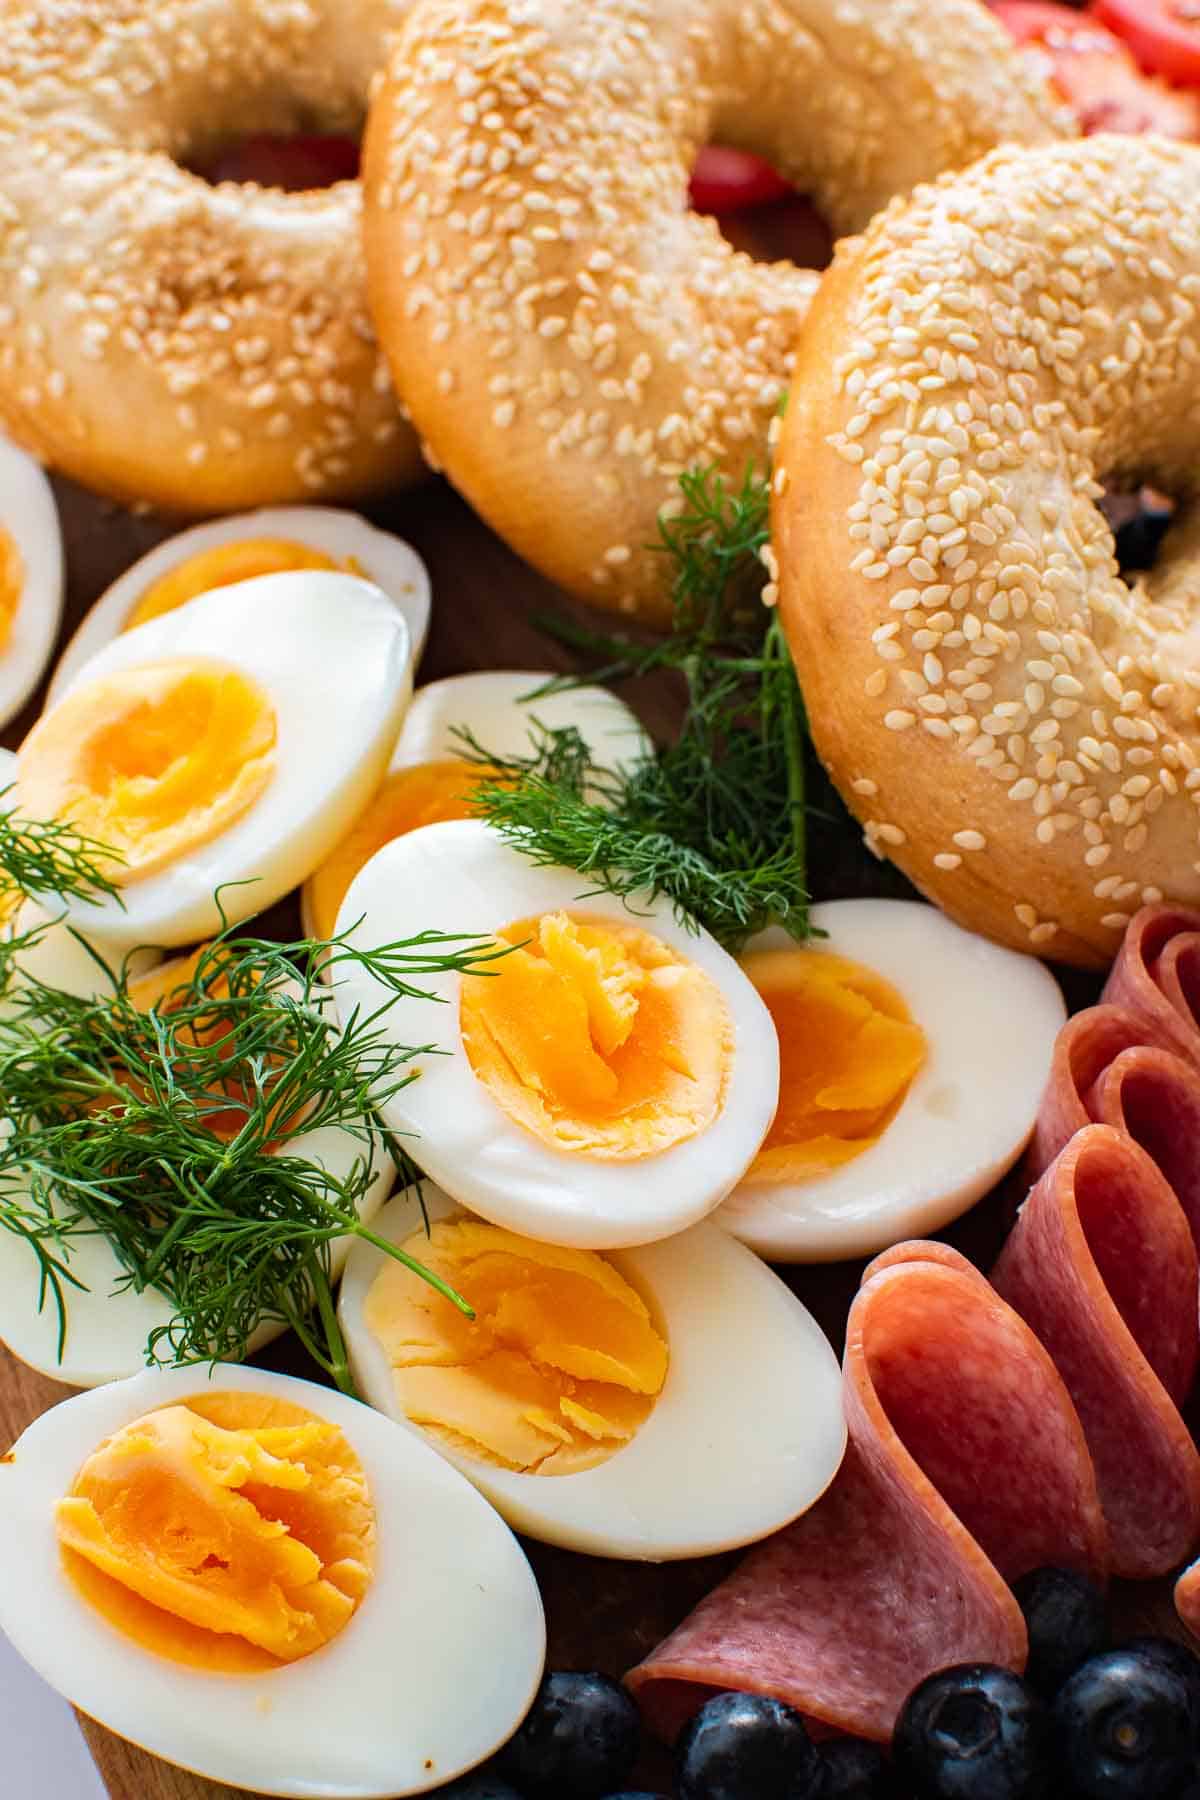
(175, 1132)
(716, 821)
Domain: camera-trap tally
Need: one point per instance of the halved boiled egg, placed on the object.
(31, 576)
(108, 1322)
(606, 1082)
(265, 1582)
(430, 779)
(589, 1387)
(239, 548)
(913, 1058)
(225, 746)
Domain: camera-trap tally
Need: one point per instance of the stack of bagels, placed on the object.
(518, 287)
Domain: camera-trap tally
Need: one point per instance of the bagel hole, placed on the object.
(1139, 519)
(298, 163)
(757, 211)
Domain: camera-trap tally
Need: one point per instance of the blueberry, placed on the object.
(856, 1770)
(1138, 540)
(1067, 1622)
(580, 1737)
(746, 1747)
(1126, 1727)
(973, 1732)
(1177, 1656)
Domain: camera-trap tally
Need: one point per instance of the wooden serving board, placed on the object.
(600, 1614)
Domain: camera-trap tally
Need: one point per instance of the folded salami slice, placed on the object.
(1102, 1265)
(966, 1467)
(1157, 977)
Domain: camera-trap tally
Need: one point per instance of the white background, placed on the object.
(44, 1751)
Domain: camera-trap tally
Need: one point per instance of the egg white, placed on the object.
(502, 709)
(28, 513)
(387, 561)
(990, 1018)
(109, 1324)
(335, 659)
(747, 1433)
(433, 1672)
(461, 877)
(496, 707)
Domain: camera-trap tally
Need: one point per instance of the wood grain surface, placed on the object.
(600, 1614)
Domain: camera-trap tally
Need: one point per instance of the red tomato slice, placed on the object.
(1164, 35)
(1095, 72)
(292, 163)
(726, 181)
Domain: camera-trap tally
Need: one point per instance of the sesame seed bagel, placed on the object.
(567, 335)
(1015, 725)
(165, 340)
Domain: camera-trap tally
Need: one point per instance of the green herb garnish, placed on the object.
(716, 821)
(169, 1131)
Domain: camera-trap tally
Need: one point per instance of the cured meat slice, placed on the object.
(1101, 1264)
(1106, 1070)
(1157, 977)
(1085, 1046)
(966, 1466)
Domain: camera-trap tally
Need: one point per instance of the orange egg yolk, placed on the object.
(848, 1052)
(222, 566)
(151, 761)
(598, 1038)
(559, 1367)
(231, 1531)
(12, 580)
(424, 794)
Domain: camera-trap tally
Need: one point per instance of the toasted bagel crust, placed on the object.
(165, 340)
(1014, 724)
(567, 335)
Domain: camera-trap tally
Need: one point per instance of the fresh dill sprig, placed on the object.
(174, 1131)
(716, 821)
(45, 859)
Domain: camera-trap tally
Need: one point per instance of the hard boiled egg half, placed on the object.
(431, 779)
(914, 1056)
(265, 1582)
(225, 746)
(606, 1082)
(662, 1402)
(31, 576)
(238, 548)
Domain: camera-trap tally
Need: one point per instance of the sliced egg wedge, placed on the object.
(914, 1056)
(430, 778)
(108, 1323)
(31, 576)
(607, 1083)
(433, 1626)
(225, 746)
(239, 548)
(745, 1433)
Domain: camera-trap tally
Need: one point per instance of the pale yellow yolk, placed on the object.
(559, 1367)
(151, 761)
(222, 566)
(598, 1038)
(848, 1052)
(231, 1531)
(425, 794)
(12, 580)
